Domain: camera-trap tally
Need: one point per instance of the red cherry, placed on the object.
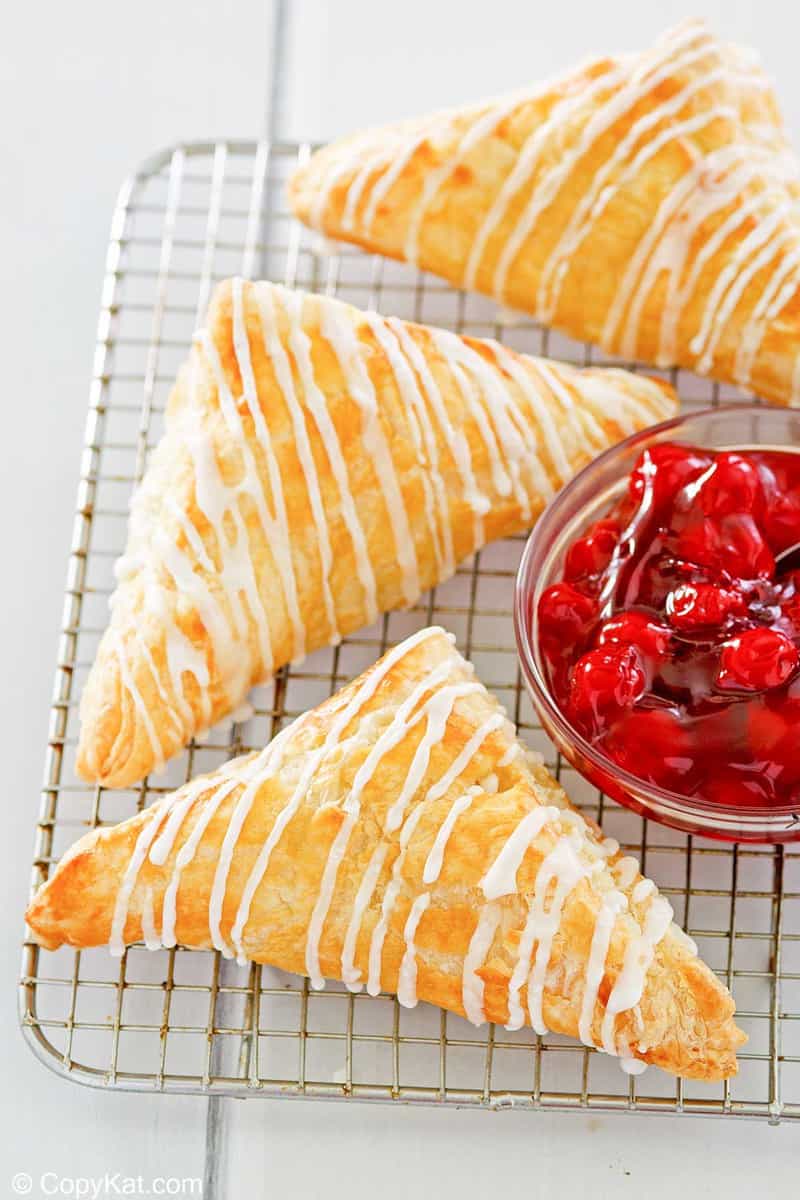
(733, 545)
(700, 542)
(783, 524)
(654, 745)
(731, 485)
(734, 789)
(663, 470)
(790, 605)
(591, 554)
(565, 615)
(772, 733)
(782, 516)
(636, 629)
(604, 683)
(702, 606)
(745, 554)
(756, 660)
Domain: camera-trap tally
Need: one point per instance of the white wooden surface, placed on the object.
(86, 90)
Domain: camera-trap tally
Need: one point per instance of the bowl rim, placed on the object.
(750, 818)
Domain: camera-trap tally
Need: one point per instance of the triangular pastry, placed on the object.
(648, 203)
(399, 837)
(320, 465)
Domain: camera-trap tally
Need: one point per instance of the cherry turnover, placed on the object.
(671, 642)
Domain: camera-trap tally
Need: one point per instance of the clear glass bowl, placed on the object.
(583, 501)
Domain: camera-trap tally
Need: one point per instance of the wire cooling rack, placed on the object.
(188, 1021)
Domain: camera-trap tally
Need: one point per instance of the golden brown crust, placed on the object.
(680, 1018)
(648, 203)
(272, 489)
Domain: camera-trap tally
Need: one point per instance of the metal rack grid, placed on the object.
(189, 1021)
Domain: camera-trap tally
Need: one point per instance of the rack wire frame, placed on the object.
(188, 1021)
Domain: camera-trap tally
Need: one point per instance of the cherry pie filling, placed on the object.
(672, 643)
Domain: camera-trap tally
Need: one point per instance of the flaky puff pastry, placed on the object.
(648, 203)
(400, 837)
(320, 465)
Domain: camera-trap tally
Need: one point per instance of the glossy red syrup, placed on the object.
(672, 643)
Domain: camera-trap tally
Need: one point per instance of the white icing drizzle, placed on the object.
(163, 845)
(220, 885)
(129, 683)
(643, 889)
(554, 440)
(357, 184)
(300, 345)
(224, 635)
(424, 441)
(185, 855)
(341, 336)
(625, 869)
(694, 198)
(597, 197)
(633, 1066)
(237, 564)
(466, 754)
(639, 953)
(313, 762)
(739, 280)
(754, 240)
(501, 480)
(435, 859)
(435, 179)
(149, 934)
(437, 790)
(277, 530)
(609, 393)
(391, 737)
(562, 867)
(255, 774)
(680, 936)
(704, 190)
(776, 294)
(437, 711)
(525, 165)
(283, 375)
(454, 438)
(511, 753)
(335, 171)
(635, 88)
(510, 424)
(612, 903)
(398, 165)
(170, 712)
(351, 975)
(407, 977)
(501, 878)
(183, 657)
(472, 986)
(389, 897)
(325, 186)
(515, 434)
(584, 422)
(116, 939)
